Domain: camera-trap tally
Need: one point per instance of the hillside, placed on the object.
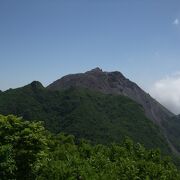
(114, 83)
(98, 117)
(173, 130)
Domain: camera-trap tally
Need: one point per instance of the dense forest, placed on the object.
(83, 113)
(28, 151)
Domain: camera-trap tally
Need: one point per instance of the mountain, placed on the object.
(114, 83)
(96, 105)
(88, 114)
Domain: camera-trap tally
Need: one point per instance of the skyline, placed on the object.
(44, 40)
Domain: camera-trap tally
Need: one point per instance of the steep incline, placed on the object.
(114, 83)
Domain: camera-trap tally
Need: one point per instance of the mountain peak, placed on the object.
(36, 85)
(95, 70)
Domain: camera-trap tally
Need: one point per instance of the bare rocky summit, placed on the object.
(114, 83)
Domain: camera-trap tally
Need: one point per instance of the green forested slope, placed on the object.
(173, 130)
(83, 113)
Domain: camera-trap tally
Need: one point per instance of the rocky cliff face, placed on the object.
(114, 83)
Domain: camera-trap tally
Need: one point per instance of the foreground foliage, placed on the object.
(22, 145)
(28, 151)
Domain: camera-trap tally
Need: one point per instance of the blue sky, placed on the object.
(46, 39)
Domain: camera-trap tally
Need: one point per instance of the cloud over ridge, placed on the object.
(167, 92)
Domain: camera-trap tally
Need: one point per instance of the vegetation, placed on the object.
(173, 129)
(28, 151)
(86, 114)
(23, 144)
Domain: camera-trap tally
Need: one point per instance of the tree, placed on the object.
(23, 144)
(28, 151)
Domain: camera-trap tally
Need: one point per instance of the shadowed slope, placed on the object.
(86, 114)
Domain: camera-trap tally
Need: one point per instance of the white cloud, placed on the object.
(167, 92)
(176, 21)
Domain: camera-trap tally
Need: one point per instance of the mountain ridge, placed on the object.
(41, 100)
(114, 83)
(92, 115)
